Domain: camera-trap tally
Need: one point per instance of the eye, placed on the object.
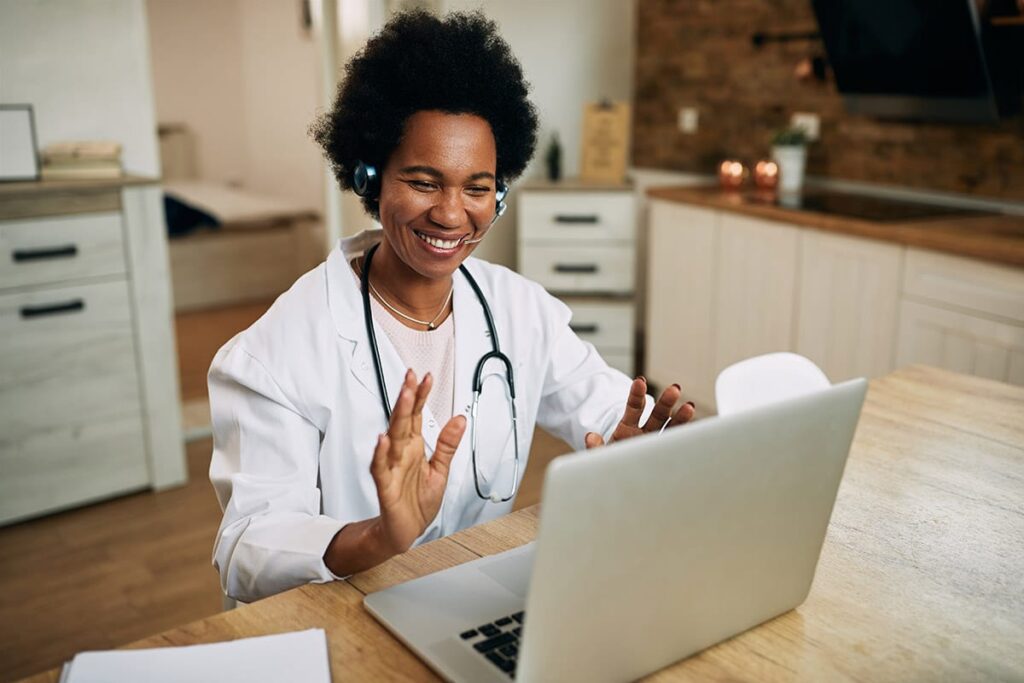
(478, 190)
(422, 185)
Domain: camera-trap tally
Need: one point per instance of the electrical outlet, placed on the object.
(810, 122)
(688, 119)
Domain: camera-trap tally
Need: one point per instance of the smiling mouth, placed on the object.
(439, 243)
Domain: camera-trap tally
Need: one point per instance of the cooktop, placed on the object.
(864, 207)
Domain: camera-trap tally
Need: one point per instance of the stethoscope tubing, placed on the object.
(494, 354)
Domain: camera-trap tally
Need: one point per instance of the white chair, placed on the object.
(766, 379)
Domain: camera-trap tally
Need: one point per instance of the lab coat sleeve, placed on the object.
(581, 392)
(264, 470)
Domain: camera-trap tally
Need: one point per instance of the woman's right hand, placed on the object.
(410, 488)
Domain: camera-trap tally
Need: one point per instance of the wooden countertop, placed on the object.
(998, 238)
(91, 185)
(919, 576)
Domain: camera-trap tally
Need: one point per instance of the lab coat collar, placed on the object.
(472, 339)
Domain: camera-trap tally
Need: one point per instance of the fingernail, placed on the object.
(642, 377)
(690, 403)
(677, 386)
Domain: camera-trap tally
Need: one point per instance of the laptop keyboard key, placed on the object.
(504, 621)
(494, 643)
(469, 634)
(509, 651)
(489, 630)
(518, 616)
(517, 631)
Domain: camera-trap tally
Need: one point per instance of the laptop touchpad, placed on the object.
(512, 571)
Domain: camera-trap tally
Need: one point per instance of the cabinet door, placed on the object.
(849, 304)
(960, 342)
(71, 423)
(755, 287)
(680, 268)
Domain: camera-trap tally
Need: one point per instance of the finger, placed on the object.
(421, 398)
(635, 403)
(663, 408)
(401, 416)
(684, 414)
(592, 440)
(447, 443)
(379, 464)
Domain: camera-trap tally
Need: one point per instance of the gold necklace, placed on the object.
(430, 324)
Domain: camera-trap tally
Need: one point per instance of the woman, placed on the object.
(316, 479)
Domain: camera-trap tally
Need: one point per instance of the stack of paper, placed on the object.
(299, 656)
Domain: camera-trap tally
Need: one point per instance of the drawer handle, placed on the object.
(576, 218)
(52, 309)
(22, 255)
(584, 329)
(575, 267)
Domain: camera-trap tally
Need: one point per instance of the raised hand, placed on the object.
(629, 425)
(410, 487)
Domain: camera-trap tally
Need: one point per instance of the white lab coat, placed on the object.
(296, 413)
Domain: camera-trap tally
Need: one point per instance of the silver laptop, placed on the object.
(649, 550)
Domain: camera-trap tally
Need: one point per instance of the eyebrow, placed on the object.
(434, 173)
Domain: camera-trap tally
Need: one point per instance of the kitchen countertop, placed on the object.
(997, 238)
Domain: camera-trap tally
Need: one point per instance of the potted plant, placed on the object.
(789, 151)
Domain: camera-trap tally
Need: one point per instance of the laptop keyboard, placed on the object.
(498, 641)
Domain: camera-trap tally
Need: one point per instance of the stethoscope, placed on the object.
(494, 354)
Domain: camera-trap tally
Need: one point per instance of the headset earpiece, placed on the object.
(501, 191)
(365, 181)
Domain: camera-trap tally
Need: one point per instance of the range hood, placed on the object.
(935, 60)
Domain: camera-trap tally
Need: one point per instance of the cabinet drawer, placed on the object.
(605, 325)
(980, 287)
(570, 216)
(70, 414)
(579, 269)
(54, 249)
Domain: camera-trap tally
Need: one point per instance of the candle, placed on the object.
(731, 174)
(766, 174)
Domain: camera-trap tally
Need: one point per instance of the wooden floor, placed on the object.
(114, 572)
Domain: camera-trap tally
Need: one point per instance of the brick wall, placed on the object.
(699, 53)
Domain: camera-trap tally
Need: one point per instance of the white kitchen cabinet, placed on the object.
(963, 315)
(579, 243)
(960, 342)
(755, 288)
(848, 309)
(680, 299)
(89, 404)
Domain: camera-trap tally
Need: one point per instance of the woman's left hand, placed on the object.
(629, 425)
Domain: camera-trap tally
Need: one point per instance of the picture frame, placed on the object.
(19, 153)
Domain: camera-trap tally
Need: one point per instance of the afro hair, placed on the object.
(457, 64)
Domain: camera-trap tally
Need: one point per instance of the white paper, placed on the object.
(298, 656)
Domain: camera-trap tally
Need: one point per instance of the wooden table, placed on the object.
(921, 576)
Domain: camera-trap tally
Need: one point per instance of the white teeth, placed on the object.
(440, 244)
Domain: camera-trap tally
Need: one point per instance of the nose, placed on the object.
(450, 210)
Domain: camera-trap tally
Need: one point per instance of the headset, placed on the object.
(366, 183)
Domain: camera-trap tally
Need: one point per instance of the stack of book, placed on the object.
(81, 160)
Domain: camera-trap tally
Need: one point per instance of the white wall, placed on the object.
(197, 74)
(281, 86)
(84, 66)
(243, 75)
(572, 52)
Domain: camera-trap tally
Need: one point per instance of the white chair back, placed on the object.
(766, 379)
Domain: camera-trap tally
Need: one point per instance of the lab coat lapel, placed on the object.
(346, 303)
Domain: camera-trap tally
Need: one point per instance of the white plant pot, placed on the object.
(792, 159)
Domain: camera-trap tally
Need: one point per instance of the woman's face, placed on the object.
(438, 190)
